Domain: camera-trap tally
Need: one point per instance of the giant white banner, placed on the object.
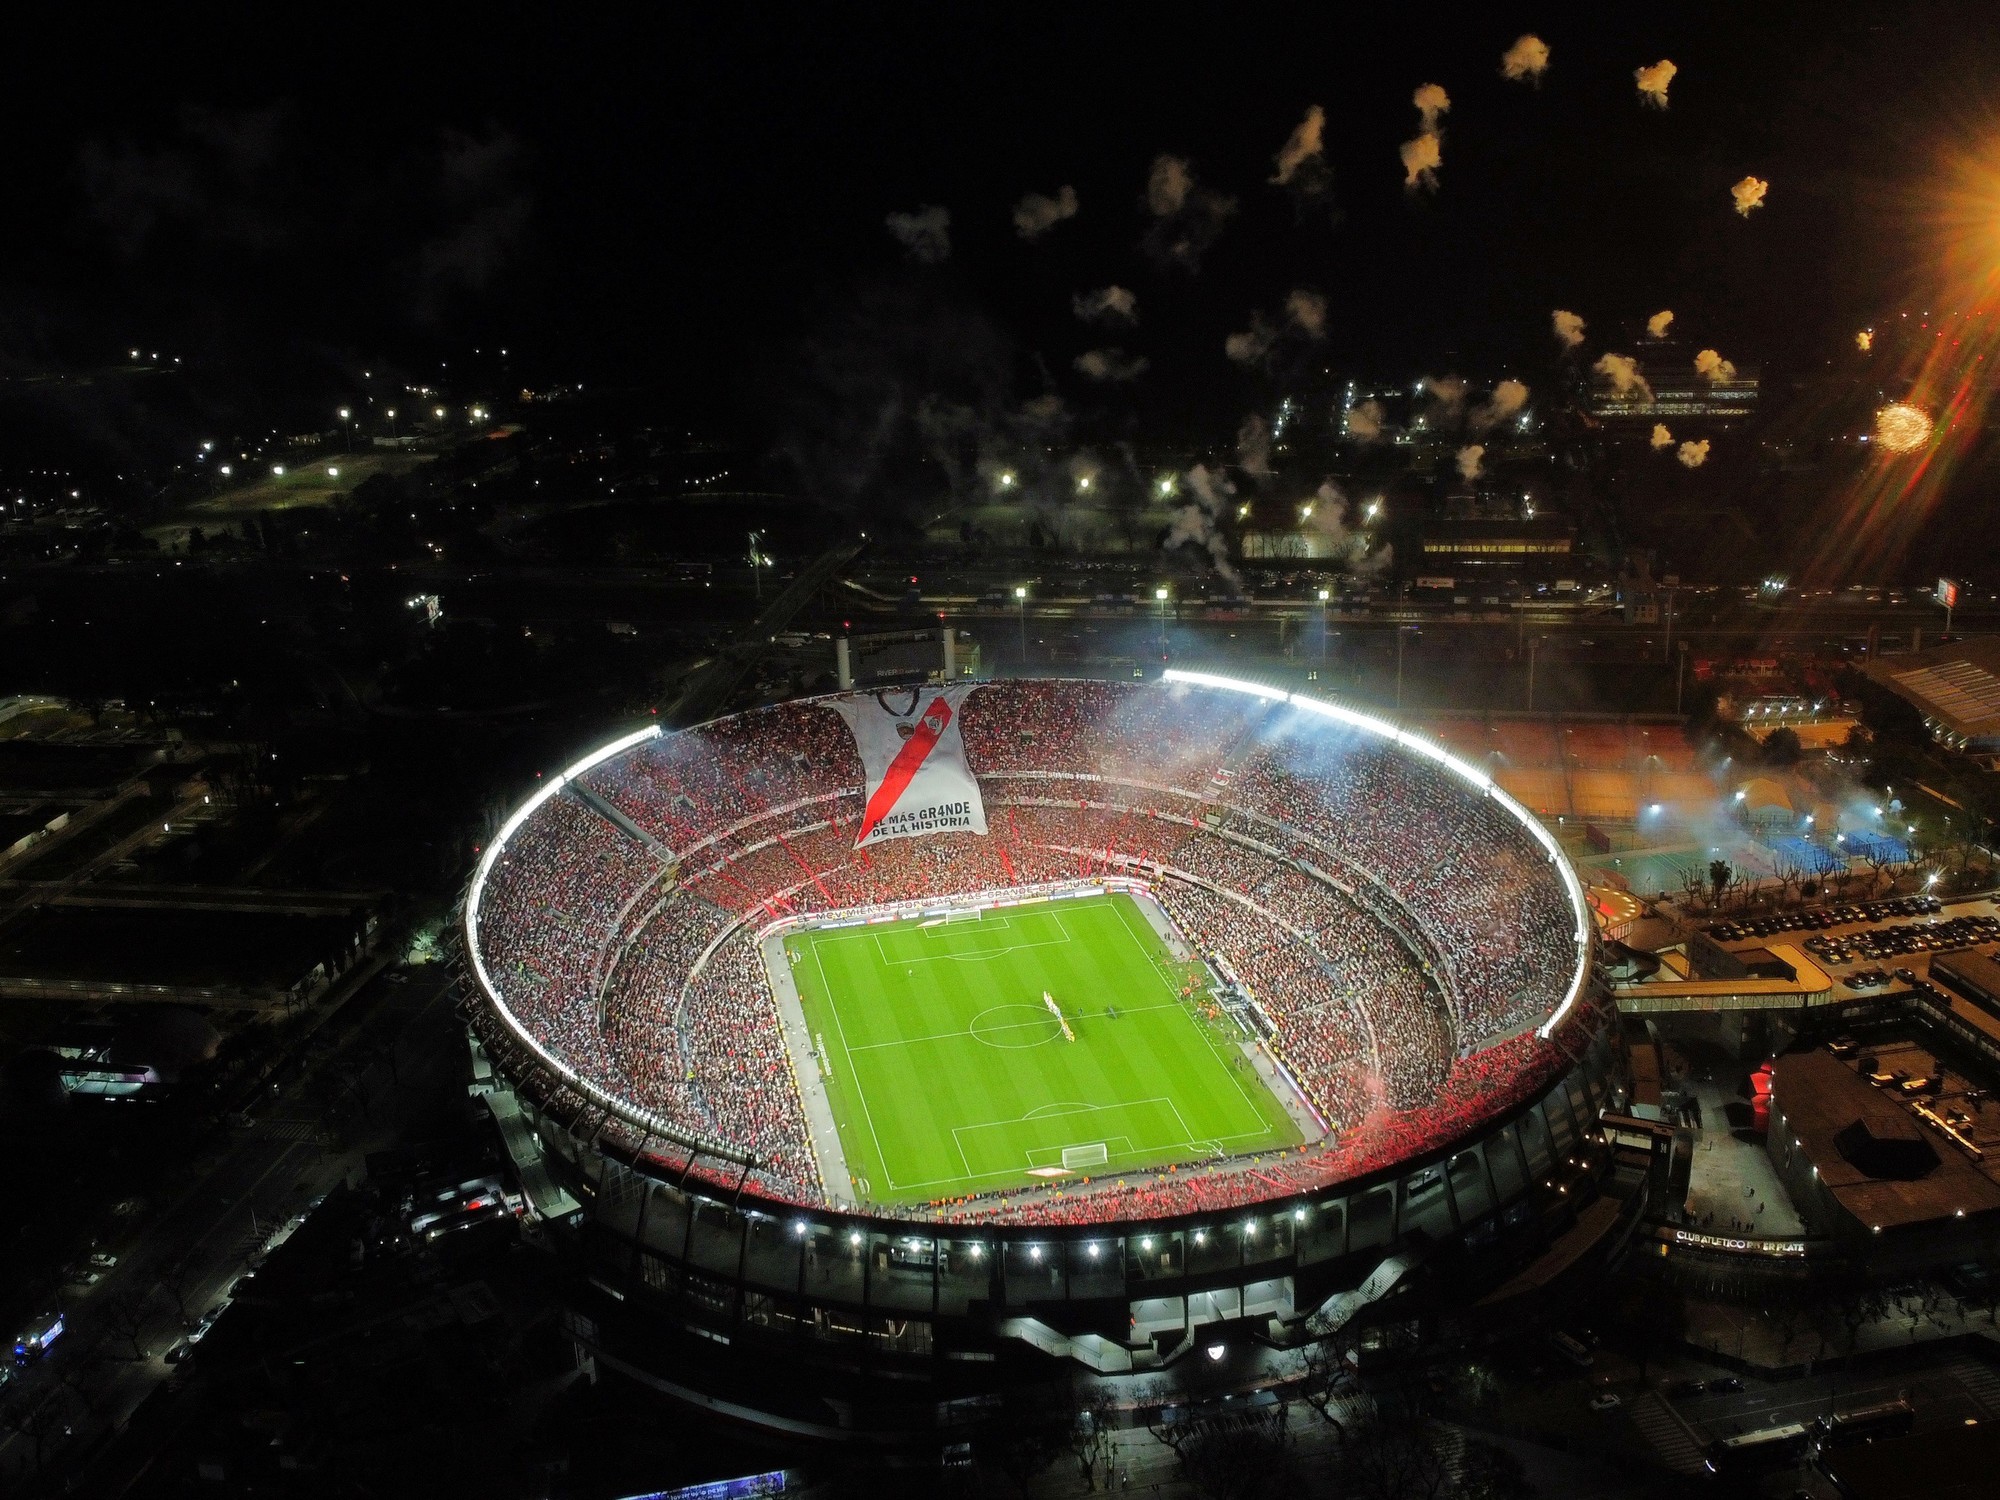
(913, 759)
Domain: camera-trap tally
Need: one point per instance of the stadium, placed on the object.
(1072, 1022)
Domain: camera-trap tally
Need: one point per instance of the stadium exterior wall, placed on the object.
(1119, 1296)
(661, 1236)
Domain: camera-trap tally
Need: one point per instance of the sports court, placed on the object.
(949, 1073)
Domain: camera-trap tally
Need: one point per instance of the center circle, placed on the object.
(1010, 1027)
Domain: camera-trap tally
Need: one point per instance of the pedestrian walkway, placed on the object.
(1980, 1381)
(1732, 1186)
(1661, 1426)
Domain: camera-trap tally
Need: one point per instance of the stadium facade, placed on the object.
(1401, 941)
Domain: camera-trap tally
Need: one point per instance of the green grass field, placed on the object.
(948, 1075)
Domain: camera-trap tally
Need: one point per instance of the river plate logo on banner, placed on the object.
(913, 758)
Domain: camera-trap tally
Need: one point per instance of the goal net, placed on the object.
(1086, 1156)
(972, 915)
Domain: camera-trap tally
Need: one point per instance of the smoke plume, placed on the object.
(1431, 101)
(1713, 367)
(1111, 366)
(1196, 523)
(1569, 328)
(1448, 391)
(1653, 82)
(1658, 324)
(1661, 437)
(1253, 447)
(1623, 372)
(1301, 147)
(1307, 311)
(1508, 397)
(1421, 160)
(1364, 422)
(926, 234)
(1253, 345)
(1329, 521)
(1694, 455)
(1749, 194)
(1168, 186)
(1527, 59)
(1188, 218)
(1108, 304)
(1865, 340)
(1036, 214)
(1470, 458)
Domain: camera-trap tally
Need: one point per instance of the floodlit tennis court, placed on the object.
(949, 1073)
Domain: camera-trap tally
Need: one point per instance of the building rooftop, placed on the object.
(1875, 1155)
(1951, 1463)
(1956, 687)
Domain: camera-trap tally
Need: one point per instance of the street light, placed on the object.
(1532, 647)
(1021, 605)
(1403, 632)
(347, 427)
(1324, 595)
(1160, 605)
(392, 423)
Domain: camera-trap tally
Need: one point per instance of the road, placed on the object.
(193, 1251)
(1945, 1394)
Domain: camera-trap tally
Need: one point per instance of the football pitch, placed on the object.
(948, 1074)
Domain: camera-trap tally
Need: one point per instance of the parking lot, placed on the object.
(1860, 942)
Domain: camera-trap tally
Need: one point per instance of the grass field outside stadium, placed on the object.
(948, 1074)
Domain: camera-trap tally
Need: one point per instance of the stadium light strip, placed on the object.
(1370, 724)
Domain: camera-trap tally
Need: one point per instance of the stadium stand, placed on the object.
(1403, 932)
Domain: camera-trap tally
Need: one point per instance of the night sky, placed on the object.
(697, 206)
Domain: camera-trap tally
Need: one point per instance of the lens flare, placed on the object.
(1940, 348)
(1902, 428)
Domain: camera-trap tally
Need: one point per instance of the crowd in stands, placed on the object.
(1390, 920)
(554, 895)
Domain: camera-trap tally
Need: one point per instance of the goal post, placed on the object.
(1095, 1155)
(971, 914)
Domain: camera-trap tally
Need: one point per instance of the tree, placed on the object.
(1092, 1440)
(181, 1277)
(1719, 876)
(1244, 1455)
(1400, 1455)
(1656, 1314)
(1782, 748)
(1879, 859)
(127, 1316)
(1694, 888)
(1486, 1471)
(1328, 1373)
(1023, 1441)
(44, 1421)
(1787, 871)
